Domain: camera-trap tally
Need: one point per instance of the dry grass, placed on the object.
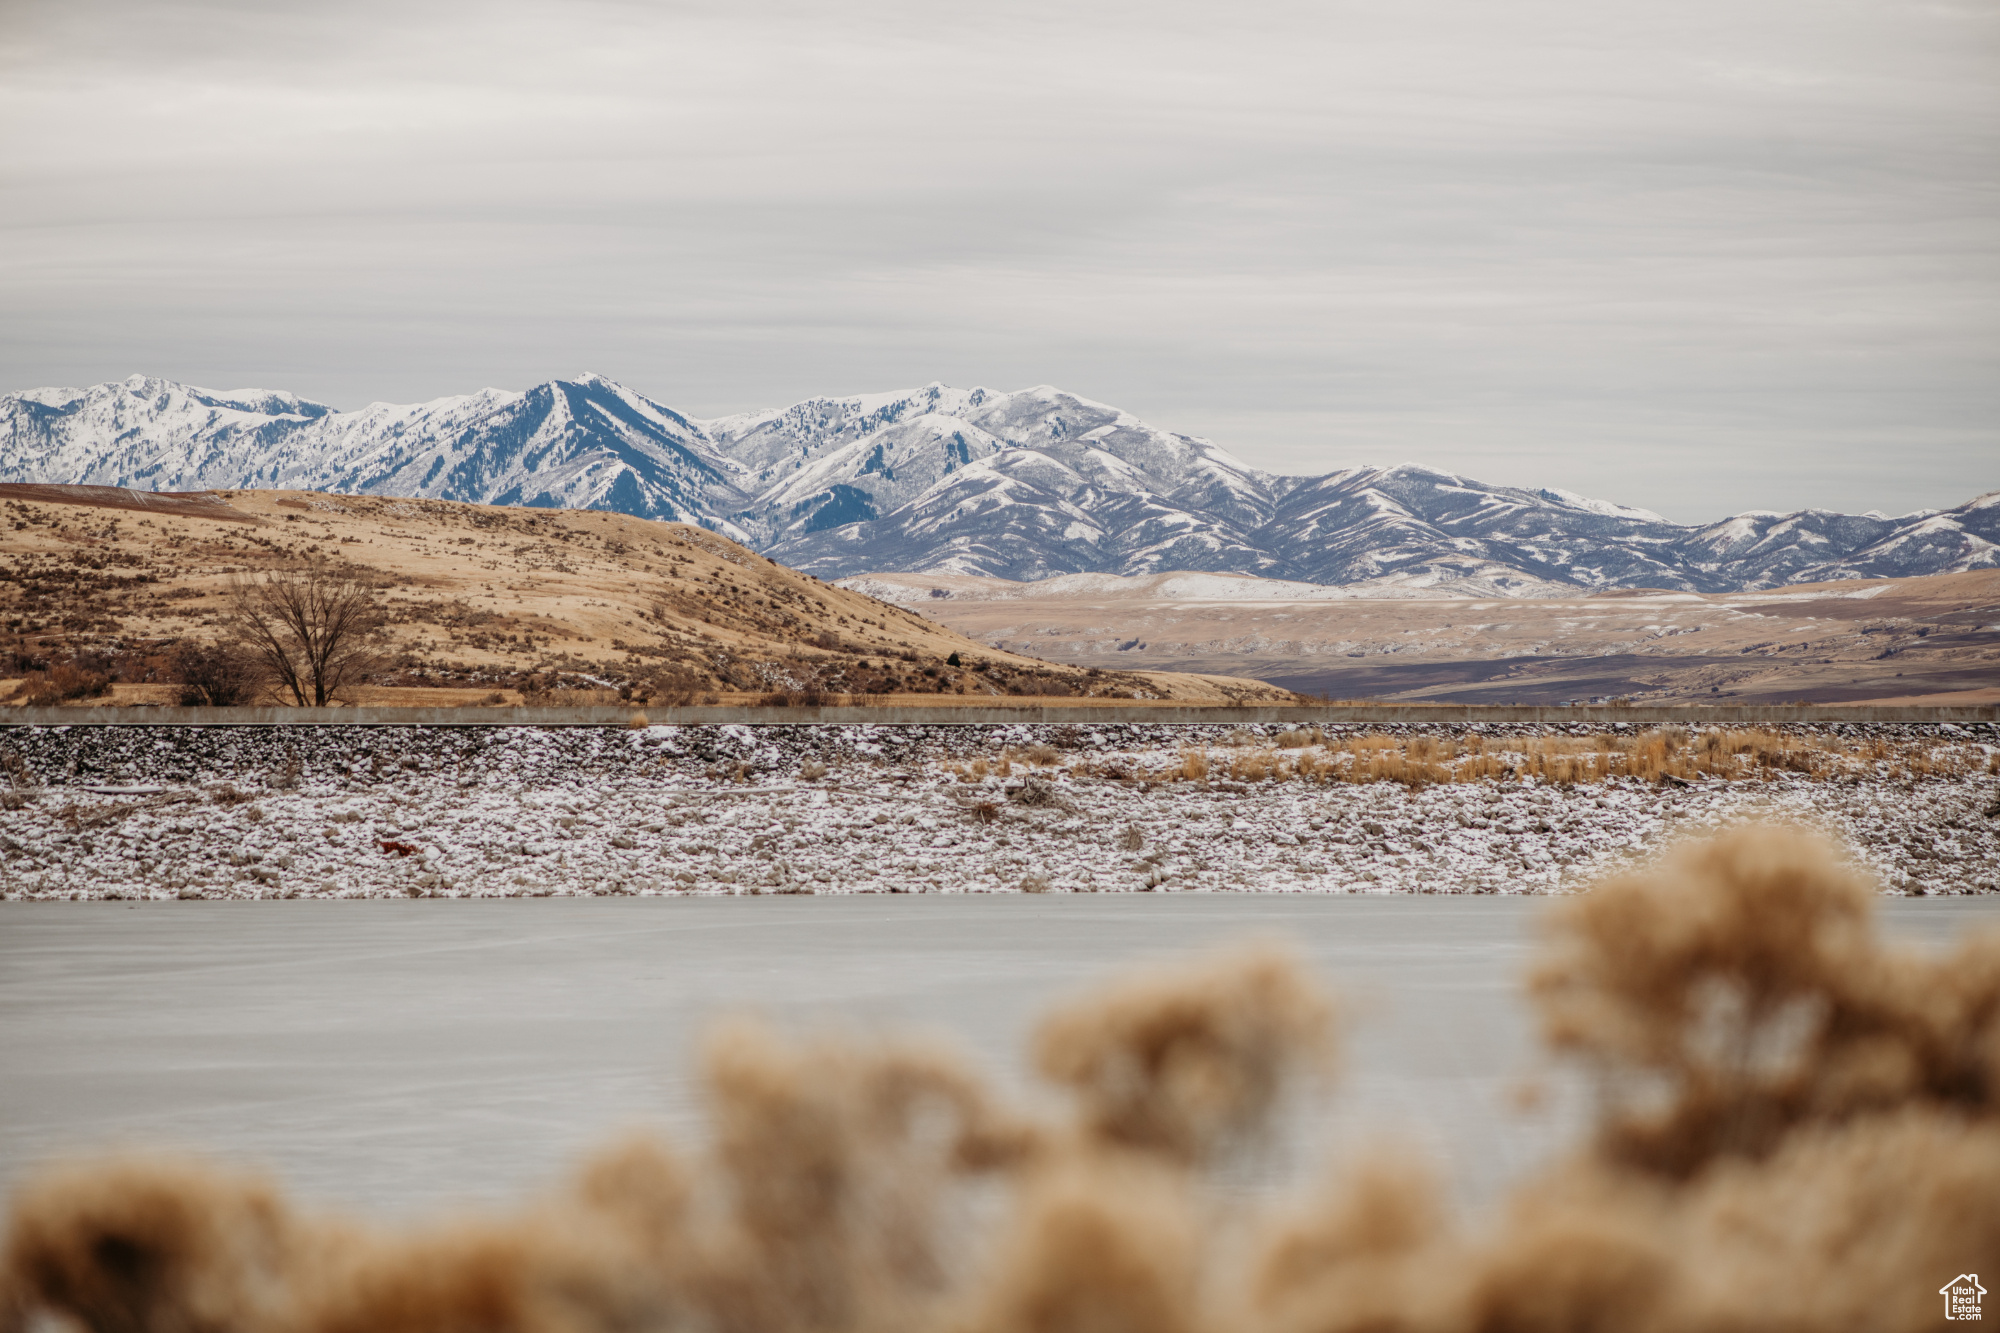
(62, 684)
(1662, 755)
(1799, 1128)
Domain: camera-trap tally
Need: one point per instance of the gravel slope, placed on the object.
(263, 812)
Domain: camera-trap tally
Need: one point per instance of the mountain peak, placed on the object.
(1021, 484)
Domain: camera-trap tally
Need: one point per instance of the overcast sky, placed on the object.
(1699, 256)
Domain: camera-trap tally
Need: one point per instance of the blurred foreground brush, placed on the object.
(1797, 1130)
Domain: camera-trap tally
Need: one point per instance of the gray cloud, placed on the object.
(1701, 257)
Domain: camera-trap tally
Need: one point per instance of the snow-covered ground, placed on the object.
(373, 812)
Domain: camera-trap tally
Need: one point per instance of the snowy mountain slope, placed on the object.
(1816, 545)
(581, 444)
(1371, 523)
(1024, 485)
(1040, 482)
(892, 448)
(1030, 514)
(148, 433)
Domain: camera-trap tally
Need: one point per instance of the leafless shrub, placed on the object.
(812, 697)
(985, 812)
(228, 794)
(565, 698)
(311, 628)
(15, 767)
(215, 675)
(1038, 794)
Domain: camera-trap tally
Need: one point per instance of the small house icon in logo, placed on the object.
(1961, 1296)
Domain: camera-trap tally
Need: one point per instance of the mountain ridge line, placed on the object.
(1021, 485)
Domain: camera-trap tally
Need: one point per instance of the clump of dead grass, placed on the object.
(1662, 755)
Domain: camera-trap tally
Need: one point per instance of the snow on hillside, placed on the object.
(583, 444)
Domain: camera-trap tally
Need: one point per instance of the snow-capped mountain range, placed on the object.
(1021, 485)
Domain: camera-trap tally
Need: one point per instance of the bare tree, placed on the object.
(312, 627)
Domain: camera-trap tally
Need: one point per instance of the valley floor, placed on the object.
(1862, 641)
(375, 812)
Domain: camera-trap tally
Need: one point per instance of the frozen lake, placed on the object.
(402, 1056)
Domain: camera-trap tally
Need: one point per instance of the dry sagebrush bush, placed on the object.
(838, 1163)
(1739, 989)
(137, 1246)
(1096, 1245)
(1374, 1251)
(1185, 1061)
(1838, 1229)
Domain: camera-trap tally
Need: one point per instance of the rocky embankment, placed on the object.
(155, 812)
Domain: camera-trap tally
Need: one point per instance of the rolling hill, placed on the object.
(491, 599)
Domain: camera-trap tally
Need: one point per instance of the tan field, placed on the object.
(488, 605)
(1931, 640)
